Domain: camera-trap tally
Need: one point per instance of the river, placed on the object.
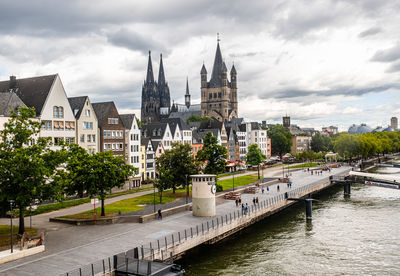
(356, 235)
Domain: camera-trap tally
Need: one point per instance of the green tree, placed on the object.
(321, 143)
(254, 157)
(213, 155)
(27, 164)
(104, 172)
(196, 118)
(347, 145)
(177, 162)
(281, 139)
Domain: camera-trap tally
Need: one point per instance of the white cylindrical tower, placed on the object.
(203, 195)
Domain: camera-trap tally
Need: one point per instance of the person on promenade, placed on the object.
(267, 189)
(242, 208)
(257, 200)
(159, 214)
(236, 202)
(262, 189)
(277, 188)
(240, 201)
(246, 207)
(254, 201)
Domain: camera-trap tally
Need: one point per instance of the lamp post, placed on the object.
(233, 180)
(154, 195)
(187, 189)
(11, 217)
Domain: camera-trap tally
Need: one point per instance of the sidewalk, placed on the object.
(72, 247)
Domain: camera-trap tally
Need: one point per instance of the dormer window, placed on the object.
(87, 112)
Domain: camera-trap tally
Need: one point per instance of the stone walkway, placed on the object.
(72, 247)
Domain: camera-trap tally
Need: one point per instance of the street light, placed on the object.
(233, 180)
(154, 195)
(11, 217)
(187, 189)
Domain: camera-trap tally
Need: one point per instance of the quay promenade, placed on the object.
(72, 247)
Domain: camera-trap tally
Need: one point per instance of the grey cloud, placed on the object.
(395, 67)
(387, 55)
(370, 32)
(134, 41)
(344, 91)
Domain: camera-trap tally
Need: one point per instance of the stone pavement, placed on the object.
(72, 247)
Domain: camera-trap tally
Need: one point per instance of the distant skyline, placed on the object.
(331, 62)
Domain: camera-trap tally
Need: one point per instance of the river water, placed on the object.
(356, 235)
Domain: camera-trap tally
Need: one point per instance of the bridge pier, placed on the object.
(347, 187)
(308, 202)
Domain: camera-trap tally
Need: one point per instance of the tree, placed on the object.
(321, 143)
(213, 154)
(281, 139)
(104, 172)
(27, 164)
(177, 163)
(254, 157)
(196, 118)
(347, 145)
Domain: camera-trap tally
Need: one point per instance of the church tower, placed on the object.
(150, 109)
(219, 95)
(163, 88)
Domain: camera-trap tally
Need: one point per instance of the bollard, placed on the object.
(230, 217)
(212, 222)
(158, 242)
(166, 242)
(208, 228)
(171, 259)
(92, 270)
(173, 243)
(202, 228)
(185, 235)
(142, 251)
(191, 232)
(115, 262)
(197, 229)
(80, 271)
(217, 223)
(109, 264)
(179, 236)
(104, 267)
(126, 264)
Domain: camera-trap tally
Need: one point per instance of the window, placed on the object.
(113, 121)
(82, 138)
(131, 137)
(46, 125)
(58, 140)
(215, 95)
(58, 112)
(131, 159)
(87, 125)
(210, 96)
(131, 148)
(93, 138)
(87, 112)
(58, 125)
(89, 138)
(69, 140)
(69, 125)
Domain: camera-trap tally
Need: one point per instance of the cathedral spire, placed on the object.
(187, 95)
(161, 76)
(150, 76)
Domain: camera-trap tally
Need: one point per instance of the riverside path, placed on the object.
(72, 247)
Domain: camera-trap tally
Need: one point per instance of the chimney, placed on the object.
(13, 82)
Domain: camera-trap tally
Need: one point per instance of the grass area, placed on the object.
(239, 181)
(305, 165)
(5, 237)
(130, 204)
(70, 203)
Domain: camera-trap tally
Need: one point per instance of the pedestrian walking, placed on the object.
(267, 189)
(242, 209)
(159, 214)
(262, 189)
(254, 200)
(240, 201)
(236, 202)
(257, 200)
(246, 208)
(277, 188)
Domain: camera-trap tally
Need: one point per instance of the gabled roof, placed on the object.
(102, 110)
(176, 121)
(144, 141)
(127, 120)
(9, 101)
(216, 76)
(32, 91)
(154, 130)
(155, 144)
(212, 124)
(77, 103)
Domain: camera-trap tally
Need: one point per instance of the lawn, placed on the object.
(305, 165)
(5, 235)
(239, 181)
(130, 204)
(70, 203)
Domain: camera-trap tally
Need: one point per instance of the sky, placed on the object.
(330, 62)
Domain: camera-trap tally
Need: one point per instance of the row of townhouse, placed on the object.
(94, 126)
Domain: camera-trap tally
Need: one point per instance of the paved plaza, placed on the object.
(73, 246)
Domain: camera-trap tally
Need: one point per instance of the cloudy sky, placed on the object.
(328, 62)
